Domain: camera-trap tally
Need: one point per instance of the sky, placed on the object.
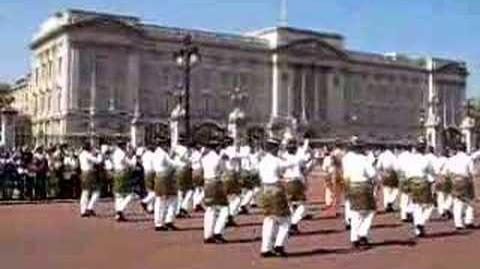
(443, 28)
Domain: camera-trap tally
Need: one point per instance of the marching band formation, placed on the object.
(225, 179)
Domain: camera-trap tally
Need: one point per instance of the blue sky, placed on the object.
(446, 28)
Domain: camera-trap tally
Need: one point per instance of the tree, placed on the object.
(5, 98)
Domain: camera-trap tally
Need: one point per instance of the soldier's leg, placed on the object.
(126, 200)
(180, 196)
(441, 202)
(93, 200)
(149, 198)
(386, 196)
(247, 198)
(234, 204)
(171, 209)
(458, 213)
(209, 222)
(347, 215)
(84, 201)
(469, 214)
(268, 229)
(221, 220)
(118, 201)
(354, 226)
(298, 213)
(187, 201)
(283, 226)
(198, 197)
(159, 211)
(365, 223)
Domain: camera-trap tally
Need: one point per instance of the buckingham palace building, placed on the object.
(97, 73)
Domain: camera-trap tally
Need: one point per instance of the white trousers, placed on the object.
(389, 195)
(88, 200)
(198, 195)
(406, 206)
(234, 202)
(462, 213)
(274, 232)
(149, 200)
(184, 200)
(347, 215)
(444, 202)
(421, 213)
(298, 210)
(121, 201)
(360, 222)
(214, 221)
(247, 197)
(164, 210)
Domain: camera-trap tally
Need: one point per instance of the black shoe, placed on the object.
(389, 208)
(449, 214)
(254, 205)
(231, 222)
(120, 217)
(85, 215)
(91, 213)
(219, 239)
(409, 217)
(210, 240)
(459, 229)
(144, 207)
(171, 227)
(294, 229)
(356, 244)
(279, 252)
(199, 208)
(243, 210)
(470, 226)
(268, 254)
(420, 231)
(308, 216)
(161, 229)
(363, 241)
(348, 226)
(150, 212)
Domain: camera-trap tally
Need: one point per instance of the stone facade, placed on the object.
(93, 72)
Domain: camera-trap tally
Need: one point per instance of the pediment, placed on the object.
(453, 68)
(315, 47)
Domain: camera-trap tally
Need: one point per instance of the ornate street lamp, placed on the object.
(186, 58)
(236, 118)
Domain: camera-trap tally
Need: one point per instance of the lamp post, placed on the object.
(185, 58)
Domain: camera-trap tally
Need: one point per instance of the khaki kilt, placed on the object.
(215, 194)
(463, 188)
(89, 181)
(149, 180)
(273, 201)
(443, 184)
(122, 182)
(197, 178)
(420, 191)
(390, 179)
(296, 191)
(165, 184)
(232, 182)
(404, 185)
(249, 180)
(183, 177)
(361, 196)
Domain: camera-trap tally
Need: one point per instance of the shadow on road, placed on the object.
(388, 243)
(447, 234)
(326, 231)
(386, 225)
(321, 251)
(244, 240)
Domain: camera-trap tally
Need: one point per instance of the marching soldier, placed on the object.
(183, 176)
(165, 188)
(251, 178)
(231, 175)
(460, 169)
(296, 185)
(443, 186)
(406, 206)
(123, 164)
(386, 166)
(89, 182)
(418, 171)
(216, 201)
(274, 202)
(197, 178)
(358, 173)
(149, 178)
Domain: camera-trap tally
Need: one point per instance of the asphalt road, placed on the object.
(53, 236)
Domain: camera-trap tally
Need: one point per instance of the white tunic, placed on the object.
(270, 168)
(386, 161)
(147, 161)
(416, 165)
(161, 161)
(295, 161)
(357, 167)
(460, 164)
(88, 160)
(210, 164)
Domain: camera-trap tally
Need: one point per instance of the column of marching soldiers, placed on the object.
(226, 179)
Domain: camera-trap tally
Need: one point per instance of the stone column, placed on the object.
(74, 77)
(8, 128)
(303, 94)
(275, 85)
(432, 125)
